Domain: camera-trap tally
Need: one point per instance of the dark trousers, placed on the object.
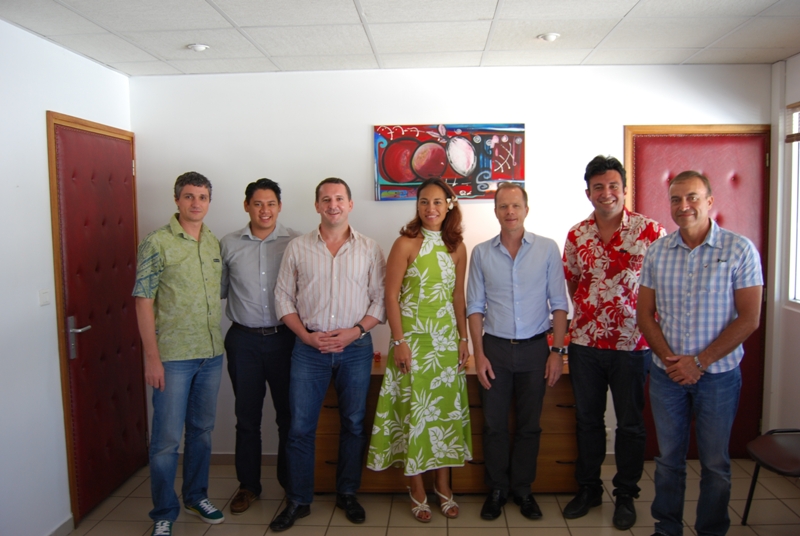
(519, 375)
(255, 360)
(592, 372)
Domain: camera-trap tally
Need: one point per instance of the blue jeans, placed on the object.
(592, 372)
(311, 375)
(713, 401)
(253, 361)
(190, 399)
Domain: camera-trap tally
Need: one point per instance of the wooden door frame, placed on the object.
(54, 119)
(671, 130)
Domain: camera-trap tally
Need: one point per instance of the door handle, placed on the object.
(71, 331)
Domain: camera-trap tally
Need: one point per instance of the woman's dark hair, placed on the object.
(451, 226)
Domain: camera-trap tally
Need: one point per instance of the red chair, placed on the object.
(779, 451)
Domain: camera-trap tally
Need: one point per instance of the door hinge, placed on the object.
(133, 167)
(767, 159)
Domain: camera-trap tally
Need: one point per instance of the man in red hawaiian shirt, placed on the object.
(602, 259)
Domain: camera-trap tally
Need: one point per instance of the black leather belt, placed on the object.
(261, 331)
(518, 341)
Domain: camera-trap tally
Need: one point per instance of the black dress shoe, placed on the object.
(624, 512)
(353, 511)
(290, 514)
(528, 506)
(493, 506)
(585, 499)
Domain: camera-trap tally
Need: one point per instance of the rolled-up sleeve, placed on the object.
(375, 290)
(286, 285)
(556, 284)
(476, 289)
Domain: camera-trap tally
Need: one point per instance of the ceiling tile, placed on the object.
(228, 65)
(565, 9)
(765, 33)
(443, 59)
(742, 55)
(430, 37)
(105, 47)
(326, 63)
(639, 56)
(564, 56)
(151, 15)
(670, 33)
(521, 35)
(310, 40)
(172, 45)
(144, 68)
(704, 8)
(426, 11)
(46, 17)
(290, 12)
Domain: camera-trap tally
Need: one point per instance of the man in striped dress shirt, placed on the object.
(699, 299)
(330, 294)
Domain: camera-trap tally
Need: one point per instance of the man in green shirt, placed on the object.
(177, 292)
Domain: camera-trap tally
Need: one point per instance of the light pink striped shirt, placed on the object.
(330, 292)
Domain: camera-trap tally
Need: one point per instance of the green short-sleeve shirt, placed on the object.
(183, 276)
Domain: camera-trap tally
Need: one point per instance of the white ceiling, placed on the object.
(149, 37)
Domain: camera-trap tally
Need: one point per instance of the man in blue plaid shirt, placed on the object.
(699, 299)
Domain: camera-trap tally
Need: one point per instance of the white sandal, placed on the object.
(447, 504)
(420, 508)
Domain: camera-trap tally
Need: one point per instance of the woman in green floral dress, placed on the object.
(422, 420)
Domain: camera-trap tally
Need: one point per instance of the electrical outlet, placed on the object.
(44, 298)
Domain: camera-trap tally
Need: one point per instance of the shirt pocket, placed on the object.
(715, 277)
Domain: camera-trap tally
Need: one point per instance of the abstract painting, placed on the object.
(472, 158)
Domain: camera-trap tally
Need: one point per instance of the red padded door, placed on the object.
(105, 405)
(736, 165)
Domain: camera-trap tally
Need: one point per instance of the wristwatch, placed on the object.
(560, 350)
(363, 331)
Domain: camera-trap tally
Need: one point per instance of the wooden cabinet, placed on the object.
(557, 448)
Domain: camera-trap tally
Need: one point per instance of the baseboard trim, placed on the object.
(65, 528)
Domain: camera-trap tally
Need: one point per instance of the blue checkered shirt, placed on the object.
(694, 289)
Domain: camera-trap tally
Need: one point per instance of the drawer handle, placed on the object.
(564, 462)
(567, 406)
(331, 462)
(327, 406)
(477, 462)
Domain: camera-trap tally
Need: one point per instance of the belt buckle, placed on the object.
(513, 341)
(269, 331)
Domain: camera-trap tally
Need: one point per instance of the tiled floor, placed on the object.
(775, 511)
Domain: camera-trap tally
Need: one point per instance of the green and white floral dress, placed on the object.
(422, 420)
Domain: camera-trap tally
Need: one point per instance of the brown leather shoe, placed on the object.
(242, 501)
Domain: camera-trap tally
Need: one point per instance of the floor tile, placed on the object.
(599, 516)
(144, 471)
(474, 531)
(121, 528)
(271, 489)
(650, 469)
(470, 516)
(261, 512)
(269, 471)
(85, 526)
(544, 531)
(131, 484)
(101, 510)
(595, 531)
(222, 488)
(417, 531)
(776, 530)
(304, 531)
(131, 509)
(222, 471)
(690, 513)
(321, 514)
(143, 489)
(356, 530)
(227, 529)
(766, 512)
(377, 514)
(747, 465)
(740, 487)
(188, 529)
(551, 517)
(794, 504)
(740, 530)
(780, 487)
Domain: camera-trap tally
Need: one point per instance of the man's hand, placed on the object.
(154, 373)
(683, 370)
(553, 368)
(334, 342)
(484, 368)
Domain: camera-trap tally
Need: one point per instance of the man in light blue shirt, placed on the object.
(699, 299)
(516, 280)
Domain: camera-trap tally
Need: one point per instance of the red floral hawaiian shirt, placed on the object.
(607, 277)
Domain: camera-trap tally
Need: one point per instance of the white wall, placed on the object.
(36, 76)
(298, 128)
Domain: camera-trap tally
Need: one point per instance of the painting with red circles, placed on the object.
(472, 158)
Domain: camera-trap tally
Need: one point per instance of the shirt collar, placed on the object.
(352, 238)
(279, 230)
(527, 238)
(178, 230)
(591, 221)
(712, 238)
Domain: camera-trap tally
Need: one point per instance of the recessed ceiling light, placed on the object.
(549, 37)
(197, 47)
